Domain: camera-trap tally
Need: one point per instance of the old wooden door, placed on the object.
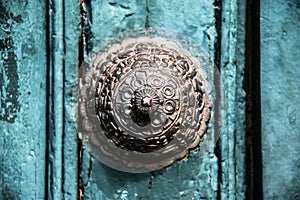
(43, 46)
(219, 173)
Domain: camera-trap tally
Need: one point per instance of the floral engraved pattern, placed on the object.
(151, 101)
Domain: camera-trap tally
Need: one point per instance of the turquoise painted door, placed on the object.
(43, 47)
(45, 44)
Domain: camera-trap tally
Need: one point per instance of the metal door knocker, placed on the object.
(145, 104)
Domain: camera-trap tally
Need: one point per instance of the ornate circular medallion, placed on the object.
(152, 104)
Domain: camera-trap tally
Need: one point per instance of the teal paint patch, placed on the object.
(9, 78)
(110, 19)
(70, 142)
(187, 179)
(191, 18)
(280, 85)
(22, 140)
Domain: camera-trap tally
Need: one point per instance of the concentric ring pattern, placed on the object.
(152, 103)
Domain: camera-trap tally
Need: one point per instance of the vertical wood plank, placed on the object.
(23, 99)
(232, 64)
(240, 135)
(280, 98)
(64, 19)
(70, 141)
(56, 95)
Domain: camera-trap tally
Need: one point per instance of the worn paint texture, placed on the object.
(62, 53)
(23, 97)
(38, 75)
(40, 50)
(280, 72)
(39, 53)
(216, 174)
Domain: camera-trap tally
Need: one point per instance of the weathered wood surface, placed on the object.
(23, 100)
(40, 52)
(216, 174)
(62, 53)
(280, 72)
(38, 72)
(232, 65)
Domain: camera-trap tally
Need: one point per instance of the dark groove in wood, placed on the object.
(48, 104)
(63, 99)
(252, 87)
(84, 48)
(217, 62)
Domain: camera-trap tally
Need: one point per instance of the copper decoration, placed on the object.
(152, 103)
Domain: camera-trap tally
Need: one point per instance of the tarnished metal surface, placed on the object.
(152, 103)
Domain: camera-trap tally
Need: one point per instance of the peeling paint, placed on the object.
(23, 101)
(9, 78)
